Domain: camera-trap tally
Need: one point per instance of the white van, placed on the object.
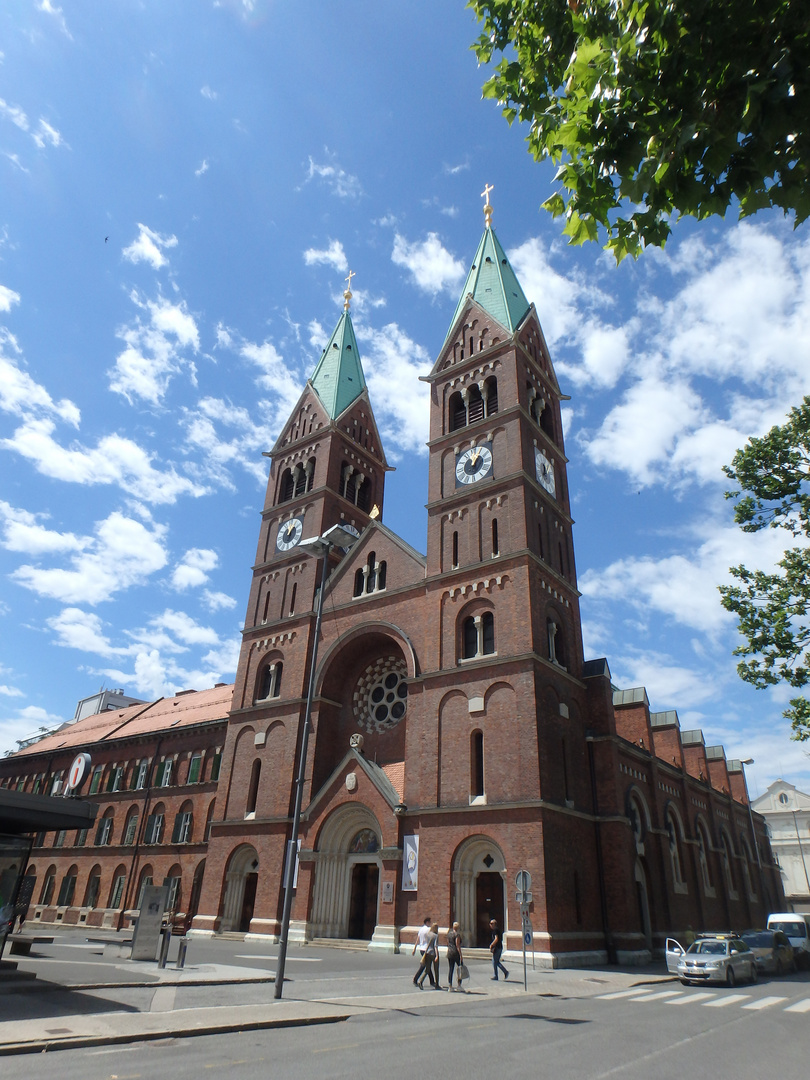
(797, 928)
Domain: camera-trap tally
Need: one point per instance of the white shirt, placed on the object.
(422, 937)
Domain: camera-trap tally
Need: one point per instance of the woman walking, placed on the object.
(430, 955)
(454, 958)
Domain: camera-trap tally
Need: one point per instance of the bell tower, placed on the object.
(498, 484)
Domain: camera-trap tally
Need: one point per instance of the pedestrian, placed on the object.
(454, 957)
(428, 959)
(496, 948)
(421, 937)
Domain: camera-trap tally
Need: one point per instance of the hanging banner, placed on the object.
(410, 863)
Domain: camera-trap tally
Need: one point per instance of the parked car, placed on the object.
(720, 959)
(797, 928)
(772, 949)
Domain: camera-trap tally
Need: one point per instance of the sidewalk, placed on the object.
(127, 1003)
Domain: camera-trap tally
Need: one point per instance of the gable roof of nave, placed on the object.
(382, 541)
(381, 777)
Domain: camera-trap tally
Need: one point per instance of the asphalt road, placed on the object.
(581, 1030)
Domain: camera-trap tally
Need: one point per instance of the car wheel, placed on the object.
(754, 973)
(731, 978)
(686, 982)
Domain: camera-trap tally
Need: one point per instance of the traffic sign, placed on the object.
(523, 898)
(523, 880)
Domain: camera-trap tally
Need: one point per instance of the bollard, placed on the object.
(181, 952)
(164, 946)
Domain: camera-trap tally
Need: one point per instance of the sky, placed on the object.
(183, 190)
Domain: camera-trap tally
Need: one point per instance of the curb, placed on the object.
(41, 987)
(78, 1042)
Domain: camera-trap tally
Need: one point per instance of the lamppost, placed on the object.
(744, 762)
(316, 546)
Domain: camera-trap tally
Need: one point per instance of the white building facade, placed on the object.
(787, 812)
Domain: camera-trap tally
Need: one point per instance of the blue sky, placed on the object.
(183, 188)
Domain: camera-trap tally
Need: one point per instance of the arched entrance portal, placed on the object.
(345, 900)
(239, 896)
(479, 877)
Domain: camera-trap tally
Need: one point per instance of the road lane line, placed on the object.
(800, 1006)
(729, 999)
(764, 1003)
(690, 999)
(661, 995)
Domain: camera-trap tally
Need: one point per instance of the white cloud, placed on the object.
(20, 395)
(193, 570)
(22, 532)
(202, 169)
(7, 298)
(454, 170)
(431, 266)
(341, 183)
(185, 629)
(148, 247)
(46, 134)
(122, 553)
(392, 363)
(114, 460)
(218, 601)
(15, 114)
(10, 691)
(333, 256)
(15, 160)
(152, 354)
(83, 630)
(48, 8)
(207, 92)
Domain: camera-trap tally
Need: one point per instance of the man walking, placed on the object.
(496, 948)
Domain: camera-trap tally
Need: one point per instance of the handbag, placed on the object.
(463, 972)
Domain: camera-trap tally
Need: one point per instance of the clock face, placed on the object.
(545, 472)
(474, 464)
(289, 534)
(348, 528)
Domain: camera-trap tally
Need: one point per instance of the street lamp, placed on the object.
(317, 546)
(744, 762)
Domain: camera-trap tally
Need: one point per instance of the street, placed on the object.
(576, 1025)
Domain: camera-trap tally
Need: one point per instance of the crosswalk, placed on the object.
(708, 999)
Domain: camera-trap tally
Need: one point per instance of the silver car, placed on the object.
(720, 959)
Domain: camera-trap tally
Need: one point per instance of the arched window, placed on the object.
(457, 412)
(270, 680)
(119, 880)
(478, 636)
(143, 884)
(104, 829)
(48, 885)
(495, 547)
(93, 886)
(173, 882)
(183, 830)
(726, 851)
(286, 487)
(209, 817)
(68, 887)
(371, 577)
(131, 827)
(638, 820)
(455, 549)
(475, 405)
(556, 643)
(477, 765)
(491, 395)
(703, 859)
(674, 834)
(253, 788)
(746, 867)
(153, 834)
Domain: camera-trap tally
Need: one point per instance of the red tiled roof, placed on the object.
(396, 774)
(183, 710)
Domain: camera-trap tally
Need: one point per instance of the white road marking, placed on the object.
(622, 994)
(661, 995)
(690, 999)
(729, 999)
(764, 1003)
(290, 959)
(800, 1006)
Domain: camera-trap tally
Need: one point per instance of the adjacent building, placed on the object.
(787, 813)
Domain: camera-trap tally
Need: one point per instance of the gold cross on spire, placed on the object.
(348, 293)
(487, 205)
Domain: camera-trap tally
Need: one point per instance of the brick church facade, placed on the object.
(457, 734)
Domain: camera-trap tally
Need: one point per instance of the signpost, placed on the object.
(523, 896)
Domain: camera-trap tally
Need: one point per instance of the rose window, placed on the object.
(381, 695)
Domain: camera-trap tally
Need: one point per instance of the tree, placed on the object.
(772, 609)
(656, 108)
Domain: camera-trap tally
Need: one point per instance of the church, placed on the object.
(457, 734)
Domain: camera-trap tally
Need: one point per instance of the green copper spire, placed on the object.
(492, 282)
(338, 379)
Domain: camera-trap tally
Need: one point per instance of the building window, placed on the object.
(81, 837)
(117, 891)
(270, 681)
(725, 853)
(181, 833)
(173, 898)
(141, 775)
(355, 486)
(146, 881)
(93, 886)
(154, 828)
(195, 767)
(556, 643)
(253, 789)
(455, 549)
(59, 838)
(673, 832)
(118, 777)
(478, 636)
(703, 861)
(131, 828)
(48, 886)
(104, 831)
(783, 799)
(164, 773)
(371, 577)
(495, 546)
(216, 764)
(477, 765)
(95, 779)
(67, 888)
